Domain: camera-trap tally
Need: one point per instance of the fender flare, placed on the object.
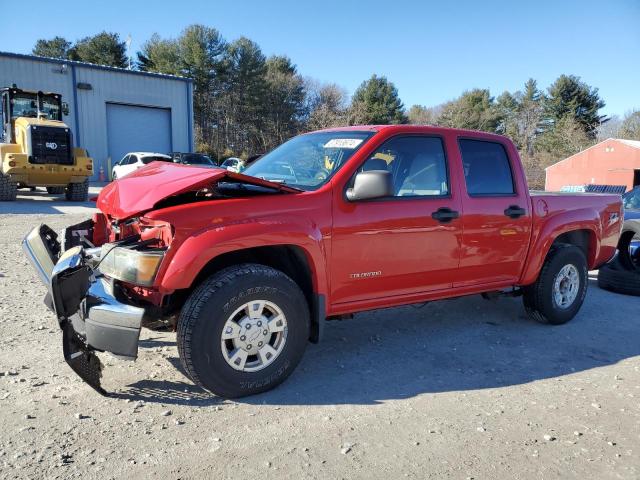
(201, 247)
(555, 226)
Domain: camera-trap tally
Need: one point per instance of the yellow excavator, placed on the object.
(36, 147)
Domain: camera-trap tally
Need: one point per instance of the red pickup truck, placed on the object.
(247, 267)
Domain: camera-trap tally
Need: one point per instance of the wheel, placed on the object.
(628, 259)
(77, 192)
(616, 278)
(243, 331)
(559, 291)
(55, 190)
(8, 188)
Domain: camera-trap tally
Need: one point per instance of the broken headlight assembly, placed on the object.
(126, 264)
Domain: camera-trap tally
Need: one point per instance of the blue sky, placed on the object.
(432, 51)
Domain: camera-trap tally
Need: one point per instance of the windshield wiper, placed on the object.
(279, 181)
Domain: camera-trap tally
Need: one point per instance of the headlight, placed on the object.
(131, 266)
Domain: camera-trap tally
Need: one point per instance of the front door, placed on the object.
(403, 244)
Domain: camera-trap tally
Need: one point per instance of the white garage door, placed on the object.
(137, 129)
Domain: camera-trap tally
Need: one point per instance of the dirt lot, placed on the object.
(458, 389)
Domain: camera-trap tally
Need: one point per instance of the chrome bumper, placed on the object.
(90, 310)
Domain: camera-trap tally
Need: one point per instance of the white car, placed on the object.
(135, 160)
(233, 164)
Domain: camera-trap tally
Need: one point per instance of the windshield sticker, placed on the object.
(350, 143)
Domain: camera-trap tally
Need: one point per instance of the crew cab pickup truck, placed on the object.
(247, 267)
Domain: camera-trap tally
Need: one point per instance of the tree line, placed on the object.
(247, 103)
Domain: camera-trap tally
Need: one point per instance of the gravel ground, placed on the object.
(457, 389)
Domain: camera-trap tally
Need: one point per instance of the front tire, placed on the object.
(243, 330)
(77, 192)
(559, 291)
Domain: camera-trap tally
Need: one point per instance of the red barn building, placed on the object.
(611, 162)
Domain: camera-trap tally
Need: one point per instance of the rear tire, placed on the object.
(624, 251)
(232, 352)
(8, 188)
(558, 293)
(77, 192)
(55, 190)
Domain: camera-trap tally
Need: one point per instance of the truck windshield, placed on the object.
(309, 161)
(26, 105)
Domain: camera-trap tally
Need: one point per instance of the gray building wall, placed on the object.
(88, 108)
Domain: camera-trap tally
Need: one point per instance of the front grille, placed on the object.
(50, 145)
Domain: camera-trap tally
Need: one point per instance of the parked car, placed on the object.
(631, 203)
(197, 159)
(247, 270)
(233, 164)
(135, 160)
(622, 275)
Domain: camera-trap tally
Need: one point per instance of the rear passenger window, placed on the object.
(486, 168)
(417, 165)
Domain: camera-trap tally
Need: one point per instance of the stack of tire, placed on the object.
(622, 274)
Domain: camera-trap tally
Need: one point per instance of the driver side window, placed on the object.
(417, 165)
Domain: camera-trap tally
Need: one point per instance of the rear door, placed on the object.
(497, 215)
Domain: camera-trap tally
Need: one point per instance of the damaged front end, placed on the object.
(87, 289)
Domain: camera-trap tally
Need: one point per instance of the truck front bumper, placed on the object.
(91, 311)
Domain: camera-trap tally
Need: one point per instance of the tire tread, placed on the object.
(192, 308)
(8, 188)
(77, 192)
(533, 298)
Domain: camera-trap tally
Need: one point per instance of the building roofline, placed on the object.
(60, 61)
(592, 146)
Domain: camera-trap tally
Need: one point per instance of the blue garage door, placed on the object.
(133, 128)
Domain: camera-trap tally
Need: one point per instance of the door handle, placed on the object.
(444, 215)
(514, 211)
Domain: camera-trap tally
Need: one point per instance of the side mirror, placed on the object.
(371, 184)
(65, 108)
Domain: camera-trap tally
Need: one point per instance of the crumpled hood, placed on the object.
(141, 190)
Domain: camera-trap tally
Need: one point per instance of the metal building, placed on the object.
(112, 111)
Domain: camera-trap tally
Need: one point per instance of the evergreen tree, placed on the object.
(57, 47)
(572, 98)
(160, 56)
(475, 110)
(244, 96)
(102, 49)
(376, 101)
(284, 106)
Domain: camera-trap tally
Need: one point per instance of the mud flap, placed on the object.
(81, 359)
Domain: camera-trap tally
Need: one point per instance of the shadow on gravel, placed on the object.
(448, 346)
(173, 393)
